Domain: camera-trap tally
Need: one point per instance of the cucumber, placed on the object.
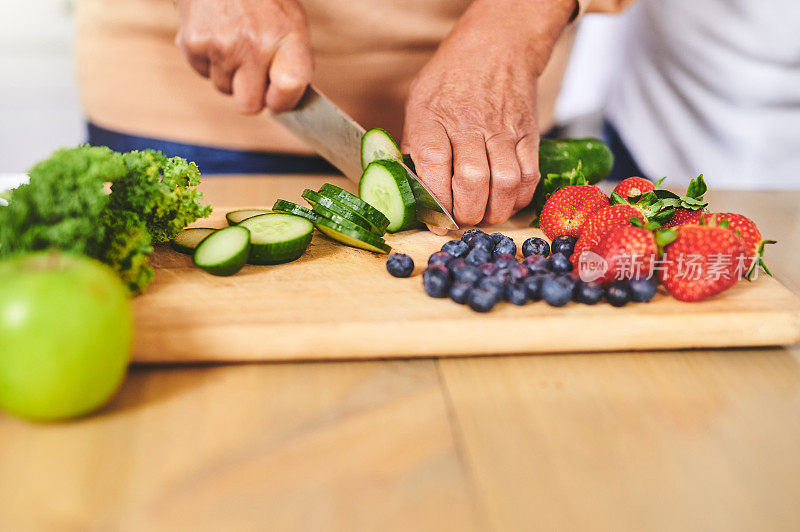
(277, 237)
(378, 145)
(293, 208)
(376, 218)
(223, 252)
(236, 217)
(187, 240)
(352, 235)
(384, 185)
(561, 156)
(327, 207)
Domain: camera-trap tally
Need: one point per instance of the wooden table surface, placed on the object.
(690, 440)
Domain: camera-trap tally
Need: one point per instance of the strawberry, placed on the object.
(601, 222)
(746, 229)
(702, 261)
(684, 216)
(633, 187)
(567, 209)
(629, 251)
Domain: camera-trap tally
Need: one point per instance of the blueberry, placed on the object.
(536, 264)
(482, 241)
(563, 244)
(570, 277)
(481, 300)
(399, 265)
(467, 274)
(505, 261)
(588, 293)
(440, 257)
(642, 290)
(533, 285)
(502, 276)
(557, 291)
(505, 246)
(456, 248)
(459, 291)
(497, 237)
(488, 268)
(618, 293)
(436, 281)
(518, 272)
(535, 246)
(478, 256)
(469, 233)
(493, 286)
(455, 263)
(559, 263)
(516, 294)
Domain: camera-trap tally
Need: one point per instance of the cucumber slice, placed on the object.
(277, 237)
(237, 217)
(223, 252)
(376, 218)
(187, 240)
(384, 185)
(327, 207)
(378, 145)
(293, 208)
(352, 235)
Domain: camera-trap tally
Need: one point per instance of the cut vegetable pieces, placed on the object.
(293, 208)
(187, 240)
(324, 206)
(378, 145)
(352, 235)
(377, 220)
(277, 237)
(236, 217)
(223, 252)
(384, 185)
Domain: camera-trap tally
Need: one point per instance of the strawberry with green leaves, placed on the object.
(746, 229)
(601, 222)
(629, 251)
(633, 187)
(691, 207)
(567, 209)
(702, 261)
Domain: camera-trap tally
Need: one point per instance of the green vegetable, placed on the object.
(236, 217)
(385, 186)
(187, 240)
(66, 330)
(66, 206)
(276, 237)
(223, 252)
(378, 145)
(351, 235)
(562, 156)
(376, 219)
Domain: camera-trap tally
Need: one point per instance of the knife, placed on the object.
(318, 122)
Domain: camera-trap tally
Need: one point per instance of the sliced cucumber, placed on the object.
(384, 185)
(327, 207)
(187, 240)
(293, 208)
(277, 237)
(223, 252)
(378, 145)
(352, 235)
(237, 217)
(376, 218)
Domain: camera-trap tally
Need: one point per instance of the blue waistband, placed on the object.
(212, 160)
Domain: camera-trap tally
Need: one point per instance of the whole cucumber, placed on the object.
(561, 156)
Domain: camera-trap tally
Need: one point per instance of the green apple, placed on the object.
(65, 335)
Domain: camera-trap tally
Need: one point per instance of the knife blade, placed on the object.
(318, 122)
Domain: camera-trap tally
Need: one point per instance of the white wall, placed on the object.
(39, 108)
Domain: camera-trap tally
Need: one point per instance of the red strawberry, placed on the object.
(684, 216)
(702, 261)
(633, 186)
(629, 251)
(746, 229)
(567, 209)
(601, 222)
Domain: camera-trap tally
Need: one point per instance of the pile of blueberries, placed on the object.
(481, 270)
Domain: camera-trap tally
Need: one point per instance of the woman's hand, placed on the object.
(471, 123)
(257, 50)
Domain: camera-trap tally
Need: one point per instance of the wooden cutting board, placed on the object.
(338, 302)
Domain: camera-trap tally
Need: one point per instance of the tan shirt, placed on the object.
(134, 79)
